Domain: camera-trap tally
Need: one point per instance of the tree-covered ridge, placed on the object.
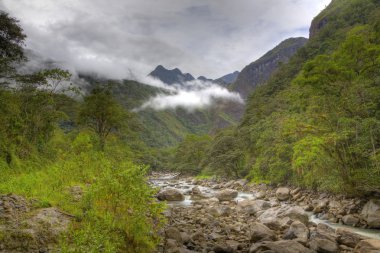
(315, 123)
(78, 158)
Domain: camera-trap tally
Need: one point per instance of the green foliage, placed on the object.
(117, 213)
(316, 122)
(43, 154)
(225, 157)
(101, 113)
(189, 155)
(11, 41)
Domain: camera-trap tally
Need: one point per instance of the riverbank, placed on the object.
(234, 216)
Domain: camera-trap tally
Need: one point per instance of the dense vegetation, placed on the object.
(316, 123)
(50, 143)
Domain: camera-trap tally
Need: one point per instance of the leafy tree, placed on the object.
(225, 156)
(103, 114)
(11, 42)
(189, 155)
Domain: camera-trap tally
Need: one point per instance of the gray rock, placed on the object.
(348, 238)
(173, 233)
(371, 213)
(260, 232)
(279, 247)
(171, 246)
(297, 230)
(324, 245)
(37, 232)
(218, 211)
(170, 195)
(283, 193)
(320, 205)
(223, 249)
(295, 213)
(281, 217)
(368, 246)
(196, 191)
(350, 220)
(261, 195)
(226, 195)
(252, 206)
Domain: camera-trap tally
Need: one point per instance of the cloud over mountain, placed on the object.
(118, 38)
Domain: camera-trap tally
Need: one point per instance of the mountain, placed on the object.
(315, 123)
(259, 71)
(205, 79)
(174, 76)
(228, 79)
(168, 127)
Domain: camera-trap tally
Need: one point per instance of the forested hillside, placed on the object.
(70, 159)
(316, 122)
(166, 128)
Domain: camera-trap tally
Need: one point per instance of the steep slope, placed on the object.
(168, 127)
(171, 76)
(258, 72)
(316, 122)
(228, 79)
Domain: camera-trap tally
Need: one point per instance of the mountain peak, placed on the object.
(171, 76)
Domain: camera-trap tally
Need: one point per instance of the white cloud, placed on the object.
(119, 37)
(190, 96)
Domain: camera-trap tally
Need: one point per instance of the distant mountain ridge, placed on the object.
(172, 76)
(228, 79)
(259, 71)
(176, 76)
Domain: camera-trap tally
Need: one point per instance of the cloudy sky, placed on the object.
(121, 38)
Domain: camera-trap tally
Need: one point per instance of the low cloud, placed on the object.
(118, 37)
(190, 96)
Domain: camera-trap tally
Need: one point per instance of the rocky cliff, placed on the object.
(258, 72)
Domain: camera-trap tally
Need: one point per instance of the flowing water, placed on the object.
(185, 187)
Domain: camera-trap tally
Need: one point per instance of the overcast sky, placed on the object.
(120, 38)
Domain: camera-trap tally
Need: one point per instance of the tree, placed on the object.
(226, 156)
(189, 154)
(11, 42)
(102, 114)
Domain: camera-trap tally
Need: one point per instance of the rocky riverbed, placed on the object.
(217, 216)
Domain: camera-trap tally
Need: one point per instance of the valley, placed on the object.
(138, 129)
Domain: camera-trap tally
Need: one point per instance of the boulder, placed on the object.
(281, 217)
(368, 246)
(260, 232)
(350, 220)
(371, 213)
(295, 213)
(76, 192)
(320, 205)
(171, 246)
(348, 238)
(226, 195)
(221, 248)
(261, 195)
(279, 247)
(323, 231)
(283, 193)
(297, 230)
(324, 245)
(12, 206)
(218, 211)
(252, 206)
(170, 195)
(196, 191)
(173, 233)
(37, 232)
